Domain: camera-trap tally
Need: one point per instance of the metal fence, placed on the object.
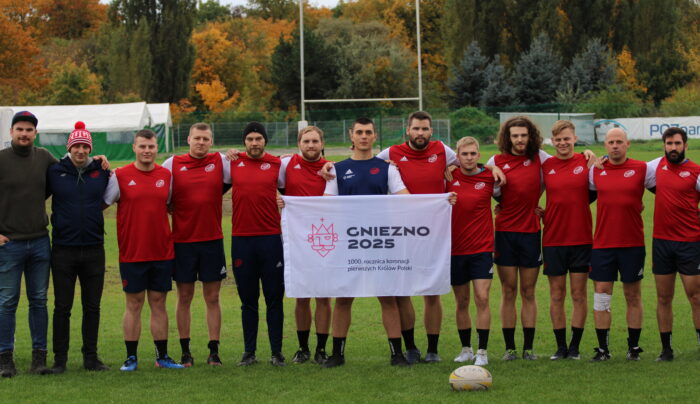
(284, 134)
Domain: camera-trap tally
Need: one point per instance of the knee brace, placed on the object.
(601, 301)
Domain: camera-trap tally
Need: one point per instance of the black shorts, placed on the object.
(514, 249)
(204, 261)
(669, 257)
(558, 260)
(464, 268)
(147, 275)
(607, 262)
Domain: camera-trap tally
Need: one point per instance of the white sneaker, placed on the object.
(482, 358)
(466, 355)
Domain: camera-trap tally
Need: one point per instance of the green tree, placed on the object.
(612, 102)
(73, 85)
(469, 79)
(684, 102)
(212, 10)
(275, 9)
(473, 122)
(593, 69)
(537, 74)
(499, 91)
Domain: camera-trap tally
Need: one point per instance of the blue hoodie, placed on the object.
(76, 205)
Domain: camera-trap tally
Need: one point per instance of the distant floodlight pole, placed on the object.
(420, 62)
(301, 52)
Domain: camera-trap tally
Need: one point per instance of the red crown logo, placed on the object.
(322, 239)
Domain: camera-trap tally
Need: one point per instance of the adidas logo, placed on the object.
(665, 168)
(132, 183)
(551, 172)
(456, 183)
(279, 264)
(297, 167)
(241, 164)
(348, 172)
(641, 272)
(223, 270)
(63, 175)
(604, 173)
(491, 270)
(505, 167)
(403, 158)
(183, 169)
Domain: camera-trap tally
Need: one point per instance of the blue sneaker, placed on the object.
(168, 363)
(130, 364)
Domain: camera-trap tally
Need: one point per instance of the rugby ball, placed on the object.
(470, 378)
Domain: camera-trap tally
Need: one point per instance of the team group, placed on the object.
(190, 189)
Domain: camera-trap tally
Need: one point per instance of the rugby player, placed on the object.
(676, 243)
(364, 174)
(618, 242)
(472, 246)
(198, 177)
(142, 191)
(299, 176)
(567, 236)
(256, 244)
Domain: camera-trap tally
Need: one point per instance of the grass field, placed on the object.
(367, 376)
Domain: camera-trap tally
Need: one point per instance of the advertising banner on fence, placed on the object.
(649, 128)
(373, 245)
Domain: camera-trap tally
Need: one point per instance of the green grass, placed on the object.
(366, 377)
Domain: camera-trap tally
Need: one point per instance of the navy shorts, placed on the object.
(147, 275)
(515, 249)
(607, 262)
(464, 268)
(204, 261)
(558, 260)
(669, 257)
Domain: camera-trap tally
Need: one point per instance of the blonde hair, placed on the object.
(467, 141)
(562, 125)
(308, 129)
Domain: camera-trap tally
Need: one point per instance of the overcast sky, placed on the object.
(327, 3)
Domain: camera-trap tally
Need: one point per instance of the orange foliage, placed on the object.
(215, 96)
(627, 71)
(69, 19)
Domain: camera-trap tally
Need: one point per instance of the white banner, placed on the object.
(371, 245)
(649, 128)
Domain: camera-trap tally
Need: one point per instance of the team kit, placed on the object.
(188, 190)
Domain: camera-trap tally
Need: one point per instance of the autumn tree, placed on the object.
(73, 84)
(69, 19)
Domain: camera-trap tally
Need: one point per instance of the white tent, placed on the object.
(5, 125)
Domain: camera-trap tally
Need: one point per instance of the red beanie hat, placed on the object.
(79, 135)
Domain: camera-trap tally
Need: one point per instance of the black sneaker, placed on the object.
(666, 355)
(187, 360)
(93, 364)
(334, 361)
(213, 360)
(574, 354)
(38, 366)
(320, 357)
(59, 366)
(247, 359)
(600, 355)
(633, 353)
(399, 360)
(562, 353)
(277, 359)
(301, 356)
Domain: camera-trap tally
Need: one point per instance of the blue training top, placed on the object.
(362, 177)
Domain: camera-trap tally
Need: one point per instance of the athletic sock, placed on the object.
(303, 337)
(576, 334)
(338, 346)
(560, 336)
(395, 346)
(321, 342)
(131, 347)
(665, 340)
(633, 337)
(509, 338)
(213, 346)
(408, 339)
(483, 337)
(602, 334)
(528, 337)
(465, 337)
(161, 348)
(185, 345)
(433, 342)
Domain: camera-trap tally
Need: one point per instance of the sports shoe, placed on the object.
(432, 357)
(130, 364)
(574, 354)
(334, 361)
(168, 363)
(600, 355)
(59, 366)
(277, 359)
(633, 353)
(213, 360)
(7, 365)
(666, 355)
(187, 360)
(413, 356)
(320, 357)
(94, 364)
(466, 355)
(38, 366)
(482, 358)
(247, 359)
(510, 355)
(529, 356)
(399, 360)
(561, 353)
(301, 356)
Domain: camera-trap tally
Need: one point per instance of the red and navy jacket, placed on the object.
(76, 206)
